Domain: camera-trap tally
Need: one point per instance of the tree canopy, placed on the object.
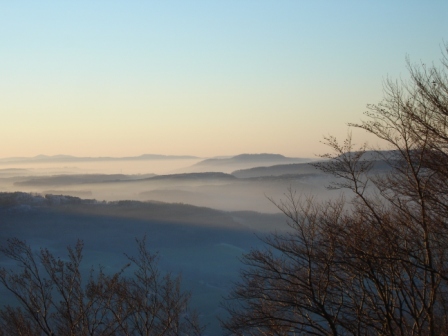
(375, 261)
(55, 298)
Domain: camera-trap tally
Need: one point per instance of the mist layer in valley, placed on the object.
(200, 217)
(242, 182)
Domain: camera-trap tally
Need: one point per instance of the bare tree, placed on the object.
(376, 262)
(54, 298)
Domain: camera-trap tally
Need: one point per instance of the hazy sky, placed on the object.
(205, 78)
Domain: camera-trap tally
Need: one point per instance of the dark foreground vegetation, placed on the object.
(371, 262)
(200, 244)
(375, 263)
(55, 301)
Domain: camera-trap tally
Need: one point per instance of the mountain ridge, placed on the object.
(250, 158)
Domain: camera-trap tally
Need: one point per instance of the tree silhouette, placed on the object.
(54, 298)
(374, 262)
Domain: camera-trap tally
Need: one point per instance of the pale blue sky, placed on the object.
(118, 78)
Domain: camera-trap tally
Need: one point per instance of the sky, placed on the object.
(203, 78)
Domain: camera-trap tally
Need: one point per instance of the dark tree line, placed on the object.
(374, 262)
(55, 298)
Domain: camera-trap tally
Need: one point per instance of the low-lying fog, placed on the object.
(234, 186)
(97, 167)
(195, 238)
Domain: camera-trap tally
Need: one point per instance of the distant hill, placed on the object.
(277, 170)
(379, 165)
(60, 180)
(20, 202)
(249, 158)
(371, 155)
(243, 161)
(78, 179)
(69, 158)
(194, 176)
